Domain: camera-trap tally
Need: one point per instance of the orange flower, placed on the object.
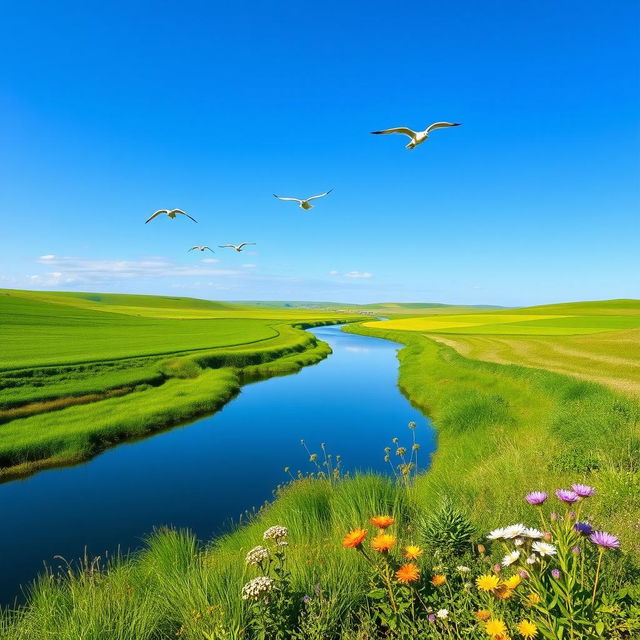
(503, 592)
(383, 542)
(412, 552)
(482, 615)
(408, 573)
(438, 580)
(354, 538)
(382, 522)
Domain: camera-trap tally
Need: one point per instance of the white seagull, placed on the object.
(199, 248)
(172, 213)
(418, 137)
(304, 204)
(237, 247)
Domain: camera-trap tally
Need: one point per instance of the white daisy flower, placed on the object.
(544, 548)
(514, 531)
(462, 569)
(532, 533)
(510, 558)
(496, 534)
(443, 614)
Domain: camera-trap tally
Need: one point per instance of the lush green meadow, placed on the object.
(79, 372)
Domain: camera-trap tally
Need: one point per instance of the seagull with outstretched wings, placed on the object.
(237, 247)
(304, 203)
(201, 248)
(172, 213)
(418, 137)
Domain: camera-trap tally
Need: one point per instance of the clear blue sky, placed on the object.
(111, 110)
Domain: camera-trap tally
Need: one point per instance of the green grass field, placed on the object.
(79, 372)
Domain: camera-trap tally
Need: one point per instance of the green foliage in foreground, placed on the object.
(504, 427)
(176, 588)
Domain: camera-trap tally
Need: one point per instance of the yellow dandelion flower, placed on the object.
(412, 552)
(503, 592)
(495, 627)
(527, 629)
(487, 582)
(513, 582)
(533, 598)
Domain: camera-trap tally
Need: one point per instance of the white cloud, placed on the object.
(209, 260)
(333, 273)
(49, 256)
(249, 266)
(358, 274)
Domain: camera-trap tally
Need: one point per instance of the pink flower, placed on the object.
(566, 495)
(583, 490)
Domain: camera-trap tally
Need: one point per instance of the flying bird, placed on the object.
(172, 213)
(237, 247)
(304, 204)
(418, 137)
(199, 248)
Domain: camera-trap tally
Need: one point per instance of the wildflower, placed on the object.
(487, 582)
(496, 534)
(383, 542)
(415, 447)
(571, 515)
(438, 580)
(583, 528)
(257, 555)
(462, 569)
(533, 598)
(407, 573)
(546, 536)
(443, 614)
(603, 539)
(481, 548)
(276, 533)
(432, 617)
(400, 451)
(536, 497)
(306, 599)
(503, 592)
(495, 627)
(514, 531)
(412, 425)
(510, 558)
(412, 552)
(544, 548)
(513, 582)
(523, 574)
(553, 516)
(497, 568)
(382, 522)
(482, 615)
(567, 495)
(527, 629)
(354, 539)
(313, 457)
(576, 550)
(518, 542)
(556, 573)
(583, 490)
(282, 543)
(532, 533)
(532, 559)
(257, 588)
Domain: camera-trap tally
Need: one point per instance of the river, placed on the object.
(204, 474)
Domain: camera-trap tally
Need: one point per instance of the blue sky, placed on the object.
(112, 110)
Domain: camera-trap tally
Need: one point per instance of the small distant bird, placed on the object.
(418, 137)
(237, 247)
(172, 213)
(199, 248)
(304, 204)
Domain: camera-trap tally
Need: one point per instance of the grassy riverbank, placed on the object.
(81, 372)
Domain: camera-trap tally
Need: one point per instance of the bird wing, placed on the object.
(224, 246)
(244, 244)
(288, 199)
(322, 195)
(184, 213)
(156, 214)
(210, 249)
(404, 130)
(196, 247)
(441, 125)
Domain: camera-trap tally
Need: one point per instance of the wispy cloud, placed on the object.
(358, 274)
(67, 270)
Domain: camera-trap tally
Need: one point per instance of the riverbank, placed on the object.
(504, 427)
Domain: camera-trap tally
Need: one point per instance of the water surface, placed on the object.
(204, 474)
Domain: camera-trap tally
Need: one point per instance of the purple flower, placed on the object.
(604, 539)
(566, 495)
(554, 516)
(556, 573)
(432, 617)
(583, 528)
(306, 599)
(523, 574)
(536, 497)
(576, 550)
(497, 568)
(583, 490)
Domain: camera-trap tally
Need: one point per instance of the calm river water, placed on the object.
(204, 474)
